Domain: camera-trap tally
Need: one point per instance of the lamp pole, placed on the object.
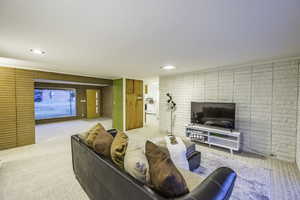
(172, 107)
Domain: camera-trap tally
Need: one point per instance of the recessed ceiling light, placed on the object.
(168, 67)
(37, 51)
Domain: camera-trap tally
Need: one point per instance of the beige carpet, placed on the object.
(44, 170)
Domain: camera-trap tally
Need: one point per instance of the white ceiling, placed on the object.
(136, 37)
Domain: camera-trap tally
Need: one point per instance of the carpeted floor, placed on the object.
(252, 183)
(44, 170)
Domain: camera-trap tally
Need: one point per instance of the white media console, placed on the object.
(214, 136)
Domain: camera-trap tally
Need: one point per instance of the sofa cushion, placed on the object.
(164, 176)
(190, 146)
(92, 133)
(118, 149)
(192, 179)
(136, 164)
(102, 143)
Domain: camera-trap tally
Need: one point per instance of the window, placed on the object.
(54, 103)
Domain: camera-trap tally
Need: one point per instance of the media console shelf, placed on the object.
(214, 136)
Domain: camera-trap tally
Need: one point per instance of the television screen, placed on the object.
(213, 114)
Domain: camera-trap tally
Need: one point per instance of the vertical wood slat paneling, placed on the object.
(25, 107)
(107, 101)
(8, 136)
(68, 77)
(17, 123)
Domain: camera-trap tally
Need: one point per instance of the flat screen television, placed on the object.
(213, 114)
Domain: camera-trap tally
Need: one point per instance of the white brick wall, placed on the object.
(298, 129)
(284, 117)
(266, 103)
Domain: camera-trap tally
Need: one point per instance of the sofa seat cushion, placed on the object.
(118, 149)
(165, 178)
(190, 146)
(192, 179)
(102, 143)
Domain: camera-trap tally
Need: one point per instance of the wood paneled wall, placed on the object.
(107, 101)
(8, 128)
(67, 77)
(17, 123)
(25, 107)
(117, 114)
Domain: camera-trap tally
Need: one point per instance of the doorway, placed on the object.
(92, 103)
(151, 91)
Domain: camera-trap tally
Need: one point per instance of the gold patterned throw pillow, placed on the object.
(93, 132)
(118, 149)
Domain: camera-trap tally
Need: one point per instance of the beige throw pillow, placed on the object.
(83, 135)
(136, 164)
(102, 143)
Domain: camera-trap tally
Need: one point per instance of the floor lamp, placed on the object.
(171, 107)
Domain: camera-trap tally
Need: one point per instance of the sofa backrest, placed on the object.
(101, 179)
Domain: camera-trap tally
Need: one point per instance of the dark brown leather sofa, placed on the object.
(102, 180)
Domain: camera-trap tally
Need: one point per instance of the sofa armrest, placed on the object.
(218, 185)
(113, 132)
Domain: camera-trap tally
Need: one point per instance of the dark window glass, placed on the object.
(54, 103)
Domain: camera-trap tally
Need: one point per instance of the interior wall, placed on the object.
(266, 97)
(17, 123)
(118, 104)
(107, 101)
(298, 130)
(25, 107)
(8, 118)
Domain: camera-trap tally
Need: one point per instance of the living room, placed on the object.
(150, 100)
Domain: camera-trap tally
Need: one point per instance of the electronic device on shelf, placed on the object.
(213, 114)
(214, 136)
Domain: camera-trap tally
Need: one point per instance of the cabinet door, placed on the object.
(134, 104)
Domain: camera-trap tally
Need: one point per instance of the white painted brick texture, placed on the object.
(266, 98)
(298, 128)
